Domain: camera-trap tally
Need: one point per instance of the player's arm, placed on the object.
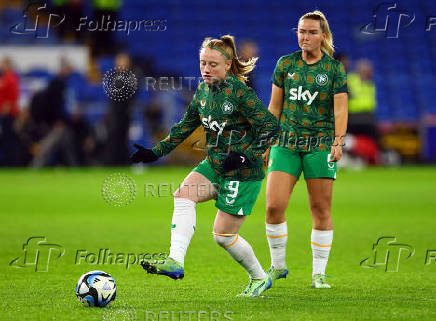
(277, 92)
(276, 103)
(178, 133)
(275, 107)
(340, 107)
(341, 118)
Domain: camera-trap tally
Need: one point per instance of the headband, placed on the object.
(222, 51)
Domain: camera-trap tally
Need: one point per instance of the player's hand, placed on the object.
(265, 157)
(335, 153)
(235, 160)
(143, 155)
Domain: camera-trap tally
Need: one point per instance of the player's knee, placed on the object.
(320, 210)
(178, 193)
(183, 192)
(275, 210)
(225, 240)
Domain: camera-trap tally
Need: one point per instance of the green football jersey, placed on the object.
(234, 119)
(307, 119)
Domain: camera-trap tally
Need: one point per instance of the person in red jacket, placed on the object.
(9, 95)
(9, 89)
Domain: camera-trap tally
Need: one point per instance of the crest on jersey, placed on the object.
(322, 79)
(203, 103)
(227, 107)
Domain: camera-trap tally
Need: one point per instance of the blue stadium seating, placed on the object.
(404, 67)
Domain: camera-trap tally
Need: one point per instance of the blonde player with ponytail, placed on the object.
(237, 127)
(309, 98)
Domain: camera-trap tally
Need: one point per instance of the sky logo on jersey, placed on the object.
(299, 94)
(213, 125)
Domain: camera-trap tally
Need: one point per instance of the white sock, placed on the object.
(182, 228)
(242, 252)
(277, 235)
(321, 242)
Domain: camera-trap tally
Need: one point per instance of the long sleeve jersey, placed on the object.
(234, 120)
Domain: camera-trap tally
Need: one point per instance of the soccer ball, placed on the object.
(96, 289)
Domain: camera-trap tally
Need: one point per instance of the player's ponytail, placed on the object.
(327, 44)
(226, 45)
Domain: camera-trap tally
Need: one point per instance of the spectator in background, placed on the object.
(247, 50)
(9, 110)
(50, 126)
(103, 41)
(361, 113)
(119, 122)
(362, 100)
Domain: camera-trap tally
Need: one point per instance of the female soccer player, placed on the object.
(237, 127)
(309, 97)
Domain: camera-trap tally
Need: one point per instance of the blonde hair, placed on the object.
(327, 44)
(227, 44)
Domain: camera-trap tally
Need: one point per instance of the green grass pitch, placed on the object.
(66, 207)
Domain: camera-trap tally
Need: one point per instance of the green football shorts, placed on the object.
(313, 164)
(234, 197)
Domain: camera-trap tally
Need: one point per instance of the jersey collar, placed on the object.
(322, 57)
(220, 85)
